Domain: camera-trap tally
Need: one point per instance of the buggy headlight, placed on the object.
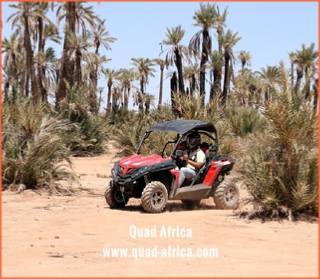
(140, 171)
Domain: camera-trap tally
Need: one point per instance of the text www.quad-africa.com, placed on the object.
(165, 252)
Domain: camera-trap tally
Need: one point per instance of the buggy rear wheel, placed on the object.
(154, 197)
(114, 196)
(226, 195)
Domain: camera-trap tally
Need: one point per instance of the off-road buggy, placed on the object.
(154, 178)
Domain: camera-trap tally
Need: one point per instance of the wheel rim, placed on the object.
(157, 198)
(230, 195)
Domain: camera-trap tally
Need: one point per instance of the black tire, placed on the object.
(154, 197)
(226, 195)
(191, 203)
(114, 197)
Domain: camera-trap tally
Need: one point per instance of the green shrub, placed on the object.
(34, 145)
(281, 164)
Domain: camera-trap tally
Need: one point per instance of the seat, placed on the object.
(204, 147)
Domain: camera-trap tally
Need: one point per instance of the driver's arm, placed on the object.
(197, 165)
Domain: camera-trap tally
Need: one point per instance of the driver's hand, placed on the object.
(185, 157)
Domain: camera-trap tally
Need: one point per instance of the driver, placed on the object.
(194, 158)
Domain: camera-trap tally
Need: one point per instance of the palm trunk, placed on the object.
(108, 110)
(193, 85)
(204, 59)
(219, 31)
(216, 88)
(41, 71)
(307, 86)
(315, 97)
(292, 73)
(27, 47)
(23, 74)
(67, 66)
(140, 101)
(126, 97)
(147, 107)
(298, 82)
(180, 72)
(114, 99)
(173, 87)
(30, 63)
(78, 73)
(161, 85)
(226, 79)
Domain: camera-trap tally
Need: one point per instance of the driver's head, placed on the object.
(194, 139)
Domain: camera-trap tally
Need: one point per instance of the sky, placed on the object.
(269, 31)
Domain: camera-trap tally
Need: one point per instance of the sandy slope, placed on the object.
(56, 236)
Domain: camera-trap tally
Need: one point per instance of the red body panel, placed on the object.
(214, 170)
(136, 161)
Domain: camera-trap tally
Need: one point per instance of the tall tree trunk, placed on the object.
(126, 97)
(292, 74)
(161, 84)
(219, 31)
(28, 49)
(307, 85)
(173, 88)
(30, 62)
(140, 101)
(114, 99)
(78, 73)
(41, 70)
(315, 97)
(180, 72)
(23, 74)
(298, 82)
(226, 80)
(204, 59)
(147, 107)
(67, 66)
(108, 110)
(216, 88)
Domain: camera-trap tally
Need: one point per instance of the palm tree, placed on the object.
(144, 70)
(177, 52)
(27, 13)
(100, 37)
(220, 20)
(270, 76)
(161, 63)
(76, 16)
(216, 62)
(228, 40)
(205, 18)
(46, 62)
(293, 60)
(315, 94)
(245, 58)
(95, 67)
(12, 49)
(248, 88)
(126, 78)
(191, 74)
(148, 100)
(306, 59)
(77, 52)
(111, 75)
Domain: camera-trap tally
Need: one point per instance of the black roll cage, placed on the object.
(178, 140)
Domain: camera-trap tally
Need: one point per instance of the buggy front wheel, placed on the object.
(154, 197)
